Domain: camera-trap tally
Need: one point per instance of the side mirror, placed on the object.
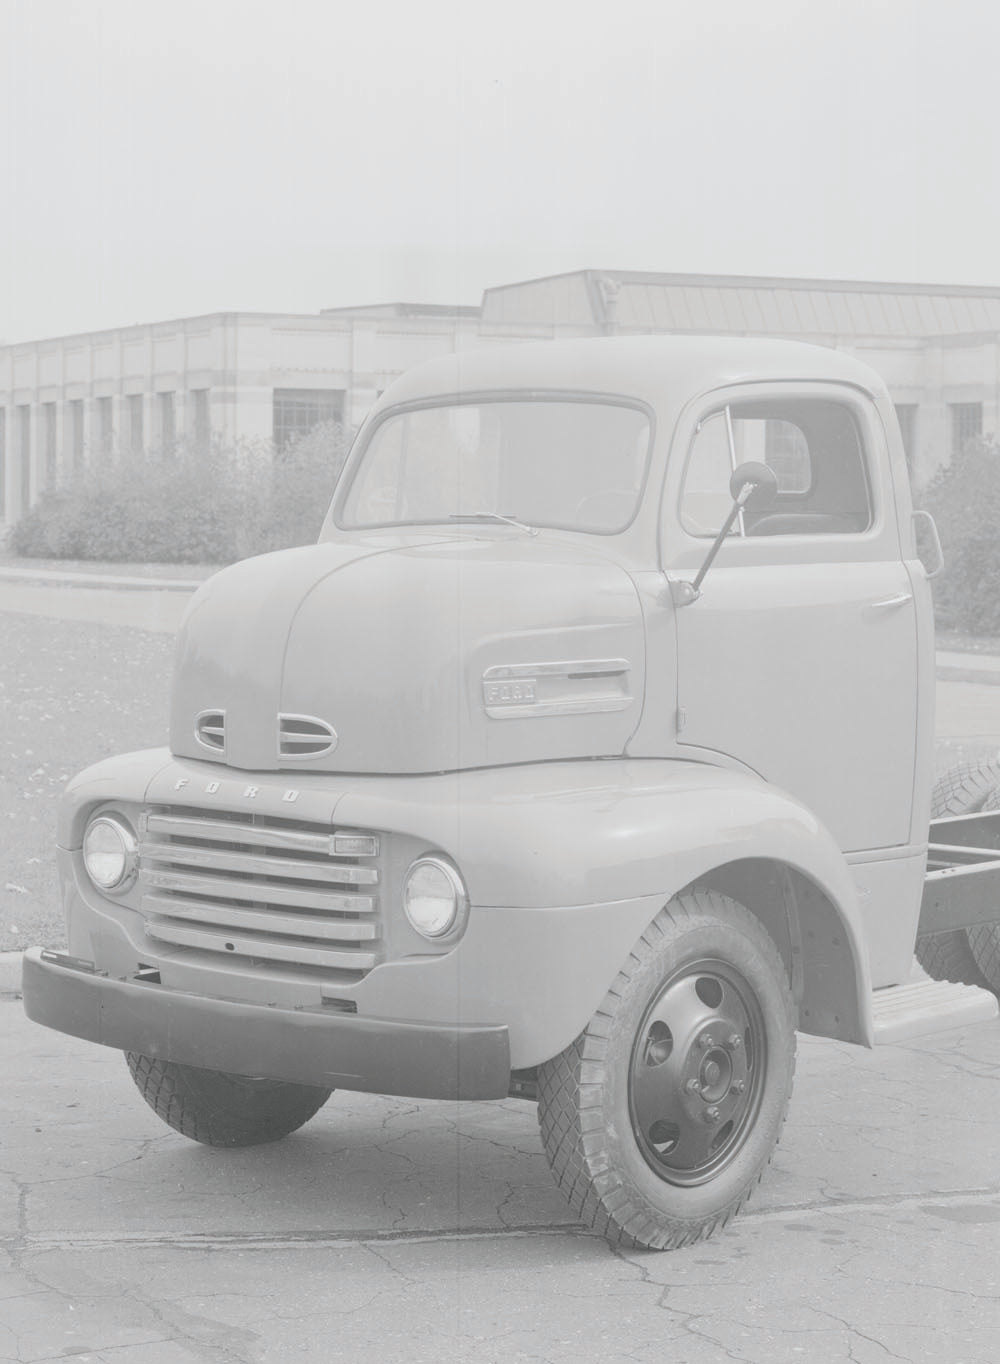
(753, 486)
(929, 550)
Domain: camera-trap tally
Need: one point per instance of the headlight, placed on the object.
(110, 853)
(434, 897)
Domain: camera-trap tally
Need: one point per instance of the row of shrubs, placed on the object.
(187, 505)
(964, 500)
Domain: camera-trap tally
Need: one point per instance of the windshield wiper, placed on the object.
(493, 516)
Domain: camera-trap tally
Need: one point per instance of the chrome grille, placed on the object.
(303, 736)
(260, 888)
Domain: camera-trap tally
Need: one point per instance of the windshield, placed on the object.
(568, 463)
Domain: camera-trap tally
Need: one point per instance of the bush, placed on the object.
(967, 595)
(303, 476)
(185, 505)
(964, 500)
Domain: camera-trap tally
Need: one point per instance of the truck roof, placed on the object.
(653, 368)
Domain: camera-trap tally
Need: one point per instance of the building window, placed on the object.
(298, 410)
(135, 432)
(24, 454)
(787, 452)
(105, 424)
(168, 426)
(200, 427)
(49, 437)
(76, 433)
(966, 424)
(906, 415)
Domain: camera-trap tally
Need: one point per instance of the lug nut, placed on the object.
(692, 1086)
(712, 1114)
(734, 1041)
(706, 1040)
(739, 1087)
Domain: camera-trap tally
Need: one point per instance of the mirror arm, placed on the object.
(682, 593)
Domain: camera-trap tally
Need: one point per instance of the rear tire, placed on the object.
(966, 956)
(220, 1109)
(660, 1119)
(984, 939)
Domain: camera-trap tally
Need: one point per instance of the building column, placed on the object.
(56, 476)
(6, 490)
(22, 482)
(991, 393)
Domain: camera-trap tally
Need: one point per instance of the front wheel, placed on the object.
(220, 1109)
(660, 1119)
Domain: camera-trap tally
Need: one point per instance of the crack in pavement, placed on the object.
(855, 1331)
(285, 1240)
(24, 1240)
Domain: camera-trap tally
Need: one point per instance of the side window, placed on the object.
(814, 447)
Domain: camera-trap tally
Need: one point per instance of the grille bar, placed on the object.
(238, 831)
(222, 859)
(263, 921)
(271, 949)
(265, 892)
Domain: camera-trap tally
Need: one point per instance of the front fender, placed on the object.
(635, 832)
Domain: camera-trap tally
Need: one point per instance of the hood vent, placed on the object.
(303, 736)
(210, 730)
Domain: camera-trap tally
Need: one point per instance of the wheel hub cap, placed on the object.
(697, 1072)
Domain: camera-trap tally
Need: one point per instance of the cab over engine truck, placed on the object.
(586, 757)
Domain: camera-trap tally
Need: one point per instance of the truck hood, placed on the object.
(417, 656)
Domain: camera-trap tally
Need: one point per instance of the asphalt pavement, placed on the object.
(397, 1231)
(392, 1230)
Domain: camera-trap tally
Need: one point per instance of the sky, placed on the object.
(170, 159)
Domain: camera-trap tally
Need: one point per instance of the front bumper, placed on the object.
(306, 1046)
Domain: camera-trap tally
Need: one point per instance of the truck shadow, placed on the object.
(365, 1165)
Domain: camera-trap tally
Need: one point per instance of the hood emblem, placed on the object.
(304, 736)
(585, 686)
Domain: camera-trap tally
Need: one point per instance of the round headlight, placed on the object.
(110, 853)
(434, 897)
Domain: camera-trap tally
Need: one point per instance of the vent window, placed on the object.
(210, 730)
(303, 736)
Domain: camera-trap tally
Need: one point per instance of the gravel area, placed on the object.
(71, 693)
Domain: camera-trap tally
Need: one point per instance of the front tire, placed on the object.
(220, 1109)
(660, 1119)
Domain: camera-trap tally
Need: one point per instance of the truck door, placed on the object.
(799, 658)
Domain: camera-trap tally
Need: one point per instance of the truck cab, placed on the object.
(561, 766)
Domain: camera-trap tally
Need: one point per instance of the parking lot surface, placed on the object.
(392, 1230)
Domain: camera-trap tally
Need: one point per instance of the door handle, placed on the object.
(900, 599)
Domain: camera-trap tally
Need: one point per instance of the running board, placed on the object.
(923, 1006)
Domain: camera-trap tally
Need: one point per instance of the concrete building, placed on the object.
(68, 400)
(232, 376)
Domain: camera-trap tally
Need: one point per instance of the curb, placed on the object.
(10, 975)
(985, 677)
(108, 581)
